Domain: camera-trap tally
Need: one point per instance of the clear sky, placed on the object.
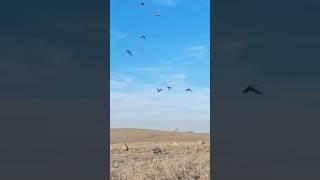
(176, 52)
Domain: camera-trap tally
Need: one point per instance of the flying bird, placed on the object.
(189, 90)
(142, 3)
(159, 89)
(169, 88)
(143, 37)
(156, 13)
(251, 88)
(129, 52)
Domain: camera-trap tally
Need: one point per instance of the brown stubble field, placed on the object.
(184, 156)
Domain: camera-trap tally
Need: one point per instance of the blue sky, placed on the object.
(176, 52)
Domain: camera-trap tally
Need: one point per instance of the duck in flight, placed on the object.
(169, 88)
(129, 52)
(142, 3)
(252, 88)
(156, 13)
(143, 37)
(159, 89)
(189, 90)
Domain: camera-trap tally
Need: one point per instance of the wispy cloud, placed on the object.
(118, 34)
(170, 3)
(163, 62)
(197, 51)
(119, 81)
(159, 74)
(149, 109)
(152, 69)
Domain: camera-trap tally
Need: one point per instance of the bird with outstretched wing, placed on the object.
(156, 13)
(143, 37)
(252, 88)
(129, 52)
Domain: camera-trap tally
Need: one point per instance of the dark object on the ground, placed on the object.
(125, 147)
(251, 88)
(196, 177)
(156, 150)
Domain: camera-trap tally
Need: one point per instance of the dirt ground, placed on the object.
(184, 156)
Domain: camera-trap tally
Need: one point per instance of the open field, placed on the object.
(182, 155)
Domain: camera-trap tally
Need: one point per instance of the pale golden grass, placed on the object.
(188, 160)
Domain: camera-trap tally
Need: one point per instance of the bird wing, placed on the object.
(129, 52)
(256, 91)
(246, 90)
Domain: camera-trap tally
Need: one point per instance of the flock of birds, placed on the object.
(248, 89)
(169, 88)
(156, 13)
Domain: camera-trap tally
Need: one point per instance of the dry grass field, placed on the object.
(159, 155)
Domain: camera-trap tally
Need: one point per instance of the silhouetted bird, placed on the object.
(188, 90)
(143, 37)
(156, 13)
(142, 3)
(252, 89)
(169, 88)
(129, 52)
(159, 89)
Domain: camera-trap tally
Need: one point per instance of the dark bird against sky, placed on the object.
(251, 88)
(169, 88)
(156, 13)
(159, 89)
(143, 37)
(142, 3)
(129, 52)
(189, 90)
